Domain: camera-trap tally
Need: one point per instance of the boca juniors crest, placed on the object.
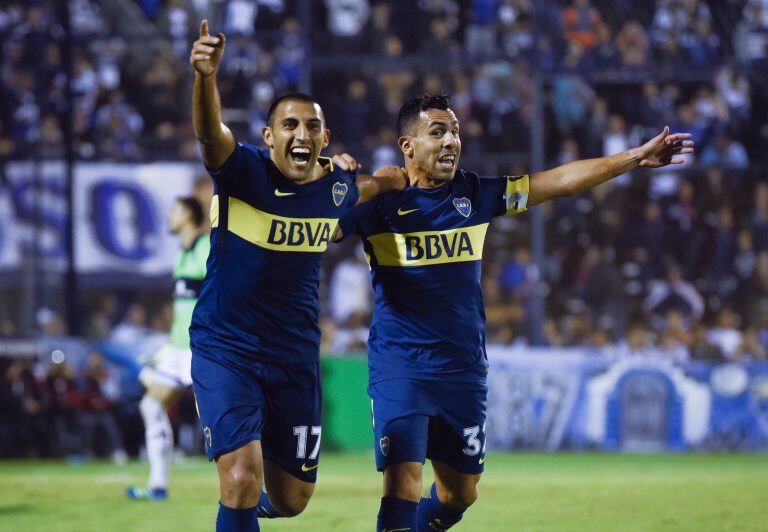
(384, 445)
(339, 191)
(463, 205)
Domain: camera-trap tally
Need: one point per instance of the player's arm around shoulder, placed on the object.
(216, 140)
(385, 179)
(577, 176)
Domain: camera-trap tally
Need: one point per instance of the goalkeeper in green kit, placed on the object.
(169, 370)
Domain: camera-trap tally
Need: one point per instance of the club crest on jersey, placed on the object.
(207, 434)
(463, 205)
(339, 191)
(384, 445)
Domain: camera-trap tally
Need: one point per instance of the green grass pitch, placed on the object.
(520, 492)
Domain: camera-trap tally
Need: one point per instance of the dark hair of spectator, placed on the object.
(194, 208)
(411, 108)
(295, 96)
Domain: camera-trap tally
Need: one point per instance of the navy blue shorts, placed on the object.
(415, 419)
(241, 400)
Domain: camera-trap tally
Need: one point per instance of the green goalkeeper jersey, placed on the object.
(188, 275)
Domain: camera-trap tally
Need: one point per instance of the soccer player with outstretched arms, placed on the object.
(426, 350)
(254, 334)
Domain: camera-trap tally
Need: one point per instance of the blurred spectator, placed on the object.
(617, 139)
(350, 288)
(750, 39)
(480, 34)
(64, 401)
(725, 333)
(632, 45)
(725, 152)
(734, 89)
(100, 427)
(346, 18)
(133, 327)
(638, 342)
(582, 22)
(702, 45)
(24, 430)
(673, 338)
(675, 293)
(517, 274)
(571, 100)
(701, 346)
(750, 348)
(515, 22)
(241, 17)
(601, 289)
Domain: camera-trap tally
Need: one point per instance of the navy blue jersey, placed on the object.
(425, 248)
(259, 298)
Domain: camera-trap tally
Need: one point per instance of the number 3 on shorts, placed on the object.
(473, 442)
(301, 446)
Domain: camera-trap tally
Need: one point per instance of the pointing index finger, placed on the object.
(204, 28)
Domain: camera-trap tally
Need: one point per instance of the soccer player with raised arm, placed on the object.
(254, 334)
(169, 370)
(426, 351)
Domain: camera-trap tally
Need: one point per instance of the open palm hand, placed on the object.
(665, 149)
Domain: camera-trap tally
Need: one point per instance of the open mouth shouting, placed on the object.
(446, 161)
(300, 156)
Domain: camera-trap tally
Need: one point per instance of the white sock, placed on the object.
(159, 438)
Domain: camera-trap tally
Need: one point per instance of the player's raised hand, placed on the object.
(346, 162)
(396, 174)
(207, 51)
(665, 149)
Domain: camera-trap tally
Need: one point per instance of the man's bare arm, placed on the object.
(577, 176)
(216, 140)
(386, 179)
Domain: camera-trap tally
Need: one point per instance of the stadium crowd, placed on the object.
(671, 264)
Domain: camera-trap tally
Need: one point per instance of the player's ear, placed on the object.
(406, 146)
(266, 134)
(326, 137)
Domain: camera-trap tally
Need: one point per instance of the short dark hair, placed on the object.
(297, 96)
(194, 208)
(411, 108)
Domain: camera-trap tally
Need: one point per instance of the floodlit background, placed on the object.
(631, 318)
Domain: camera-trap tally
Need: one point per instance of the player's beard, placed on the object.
(435, 177)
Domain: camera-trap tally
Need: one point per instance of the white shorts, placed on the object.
(170, 367)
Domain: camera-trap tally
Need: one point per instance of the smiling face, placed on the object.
(295, 137)
(432, 144)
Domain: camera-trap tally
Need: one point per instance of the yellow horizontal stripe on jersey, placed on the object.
(278, 233)
(516, 194)
(213, 212)
(426, 248)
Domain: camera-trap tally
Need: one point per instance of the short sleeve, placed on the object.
(233, 166)
(358, 220)
(244, 158)
(354, 192)
(510, 194)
